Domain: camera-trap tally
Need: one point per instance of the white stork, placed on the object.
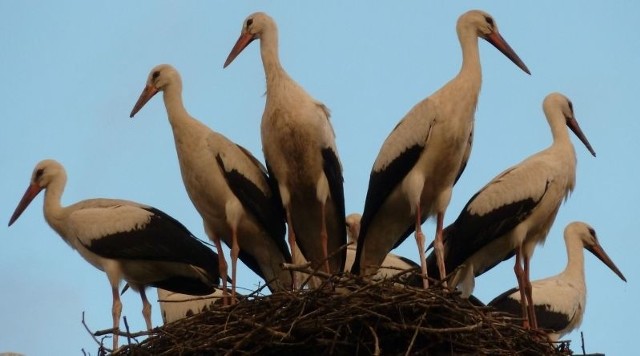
(514, 212)
(559, 301)
(425, 154)
(126, 240)
(227, 185)
(300, 151)
(391, 265)
(176, 306)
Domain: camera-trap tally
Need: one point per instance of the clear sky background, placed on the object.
(72, 70)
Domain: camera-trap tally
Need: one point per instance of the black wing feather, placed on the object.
(266, 209)
(471, 232)
(381, 184)
(547, 319)
(162, 239)
(333, 171)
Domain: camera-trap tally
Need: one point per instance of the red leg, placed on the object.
(235, 251)
(116, 309)
(438, 246)
(146, 308)
(420, 242)
(222, 265)
(294, 252)
(529, 292)
(324, 239)
(520, 276)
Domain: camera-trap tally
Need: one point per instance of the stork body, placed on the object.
(391, 265)
(559, 302)
(228, 187)
(423, 157)
(514, 212)
(300, 151)
(175, 306)
(126, 240)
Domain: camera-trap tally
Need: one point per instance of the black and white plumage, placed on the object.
(391, 265)
(425, 154)
(300, 152)
(514, 211)
(228, 187)
(126, 240)
(559, 302)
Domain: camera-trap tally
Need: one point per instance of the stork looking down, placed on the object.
(514, 211)
(126, 240)
(300, 152)
(227, 185)
(559, 302)
(425, 154)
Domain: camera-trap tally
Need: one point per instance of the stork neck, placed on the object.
(575, 256)
(470, 71)
(270, 59)
(176, 111)
(53, 211)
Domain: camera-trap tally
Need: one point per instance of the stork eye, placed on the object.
(570, 105)
(489, 20)
(592, 232)
(39, 173)
(155, 75)
(249, 22)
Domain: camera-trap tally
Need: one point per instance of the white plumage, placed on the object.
(514, 212)
(126, 240)
(176, 306)
(228, 187)
(391, 265)
(423, 157)
(560, 301)
(300, 152)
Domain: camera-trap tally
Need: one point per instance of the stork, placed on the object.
(227, 186)
(391, 265)
(126, 240)
(425, 154)
(300, 152)
(559, 301)
(176, 306)
(514, 211)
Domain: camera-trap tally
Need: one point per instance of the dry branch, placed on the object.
(356, 317)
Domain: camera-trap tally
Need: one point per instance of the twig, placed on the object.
(86, 327)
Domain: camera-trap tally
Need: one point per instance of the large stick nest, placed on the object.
(352, 317)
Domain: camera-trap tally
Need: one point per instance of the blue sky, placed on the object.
(73, 70)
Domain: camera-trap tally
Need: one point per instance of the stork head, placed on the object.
(557, 101)
(44, 174)
(159, 79)
(480, 24)
(253, 27)
(353, 226)
(587, 235)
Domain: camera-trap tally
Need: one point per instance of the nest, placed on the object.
(348, 316)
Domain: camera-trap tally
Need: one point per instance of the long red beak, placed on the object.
(242, 43)
(602, 256)
(32, 192)
(573, 125)
(501, 44)
(147, 93)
